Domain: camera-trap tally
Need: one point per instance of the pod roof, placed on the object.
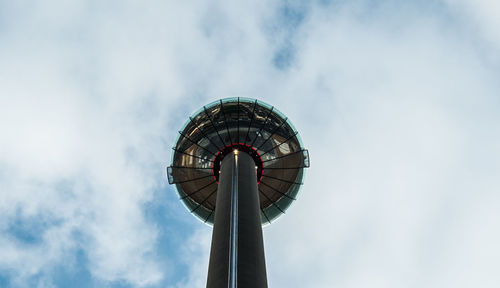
(250, 126)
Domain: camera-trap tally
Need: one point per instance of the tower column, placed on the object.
(237, 199)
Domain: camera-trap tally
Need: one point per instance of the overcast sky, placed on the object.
(398, 103)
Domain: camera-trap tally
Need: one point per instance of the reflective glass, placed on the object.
(238, 120)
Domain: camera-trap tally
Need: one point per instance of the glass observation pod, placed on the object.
(249, 126)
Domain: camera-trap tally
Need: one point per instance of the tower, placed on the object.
(237, 164)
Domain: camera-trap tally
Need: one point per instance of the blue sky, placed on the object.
(397, 101)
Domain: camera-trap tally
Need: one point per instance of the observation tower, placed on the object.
(237, 164)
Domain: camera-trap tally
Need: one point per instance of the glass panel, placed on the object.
(217, 123)
(264, 104)
(240, 120)
(272, 212)
(187, 175)
(212, 104)
(247, 100)
(210, 219)
(199, 211)
(284, 203)
(263, 218)
(279, 114)
(305, 153)
(170, 177)
(230, 111)
(248, 120)
(229, 99)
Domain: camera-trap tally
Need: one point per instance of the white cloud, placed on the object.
(480, 19)
(82, 147)
(195, 253)
(396, 102)
(398, 185)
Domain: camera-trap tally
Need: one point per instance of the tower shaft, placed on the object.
(237, 252)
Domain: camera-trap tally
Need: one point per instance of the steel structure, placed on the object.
(237, 164)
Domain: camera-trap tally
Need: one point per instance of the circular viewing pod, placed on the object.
(252, 127)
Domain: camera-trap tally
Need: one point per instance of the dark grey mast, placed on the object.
(237, 200)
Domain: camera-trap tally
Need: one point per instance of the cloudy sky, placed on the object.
(397, 101)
